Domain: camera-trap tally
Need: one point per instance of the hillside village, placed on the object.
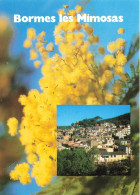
(112, 142)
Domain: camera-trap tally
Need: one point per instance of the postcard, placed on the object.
(69, 97)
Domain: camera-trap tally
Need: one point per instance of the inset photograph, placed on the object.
(93, 140)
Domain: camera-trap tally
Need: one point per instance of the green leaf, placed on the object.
(128, 77)
(137, 68)
(134, 47)
(133, 73)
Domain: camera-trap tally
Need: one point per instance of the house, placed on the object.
(120, 134)
(104, 156)
(109, 149)
(66, 137)
(99, 146)
(92, 143)
(110, 142)
(68, 144)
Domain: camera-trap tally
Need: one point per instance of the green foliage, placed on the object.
(77, 162)
(76, 126)
(89, 122)
(119, 120)
(133, 72)
(63, 127)
(131, 85)
(134, 47)
(87, 185)
(115, 168)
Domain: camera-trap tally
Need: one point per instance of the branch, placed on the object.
(132, 92)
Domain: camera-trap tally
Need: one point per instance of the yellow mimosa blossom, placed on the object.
(90, 57)
(72, 13)
(78, 26)
(31, 33)
(93, 39)
(69, 37)
(31, 158)
(38, 45)
(61, 12)
(22, 167)
(109, 97)
(30, 148)
(13, 126)
(79, 8)
(112, 47)
(41, 49)
(119, 52)
(91, 100)
(27, 43)
(102, 81)
(44, 55)
(118, 70)
(84, 48)
(108, 75)
(110, 60)
(43, 33)
(117, 88)
(101, 50)
(21, 172)
(121, 59)
(88, 29)
(40, 37)
(66, 6)
(14, 175)
(50, 47)
(120, 43)
(37, 64)
(33, 54)
(22, 100)
(58, 39)
(25, 178)
(121, 30)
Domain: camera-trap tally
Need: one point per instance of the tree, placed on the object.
(89, 122)
(77, 162)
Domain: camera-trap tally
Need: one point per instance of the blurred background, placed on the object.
(17, 75)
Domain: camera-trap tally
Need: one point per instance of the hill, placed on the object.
(119, 120)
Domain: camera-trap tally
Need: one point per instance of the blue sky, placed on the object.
(67, 114)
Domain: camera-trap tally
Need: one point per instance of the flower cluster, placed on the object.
(71, 74)
(13, 126)
(21, 173)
